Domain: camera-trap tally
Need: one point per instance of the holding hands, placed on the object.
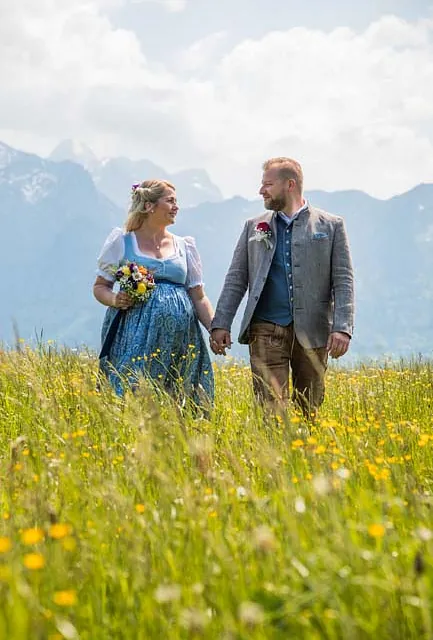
(220, 340)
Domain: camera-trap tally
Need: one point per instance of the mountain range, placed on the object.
(55, 216)
(114, 176)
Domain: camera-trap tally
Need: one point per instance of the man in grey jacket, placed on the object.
(295, 262)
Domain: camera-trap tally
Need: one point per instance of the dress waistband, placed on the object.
(165, 281)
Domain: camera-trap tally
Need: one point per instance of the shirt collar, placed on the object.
(290, 219)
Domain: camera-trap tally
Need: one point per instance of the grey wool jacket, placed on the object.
(322, 274)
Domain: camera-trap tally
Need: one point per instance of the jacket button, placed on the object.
(256, 297)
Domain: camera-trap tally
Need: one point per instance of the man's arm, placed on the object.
(342, 282)
(235, 285)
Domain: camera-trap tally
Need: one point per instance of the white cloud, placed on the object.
(59, 64)
(354, 108)
(174, 6)
(201, 54)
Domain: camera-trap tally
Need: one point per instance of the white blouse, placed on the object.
(114, 249)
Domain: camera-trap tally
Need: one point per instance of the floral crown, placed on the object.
(137, 185)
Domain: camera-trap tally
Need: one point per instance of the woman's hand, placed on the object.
(121, 300)
(103, 292)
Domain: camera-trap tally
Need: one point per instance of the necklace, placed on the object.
(152, 244)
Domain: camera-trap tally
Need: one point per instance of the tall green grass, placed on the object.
(127, 518)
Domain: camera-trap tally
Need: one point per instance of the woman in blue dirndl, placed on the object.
(160, 338)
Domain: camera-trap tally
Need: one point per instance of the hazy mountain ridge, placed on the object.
(51, 241)
(114, 176)
(54, 237)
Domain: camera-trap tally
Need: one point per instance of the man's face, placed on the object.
(273, 190)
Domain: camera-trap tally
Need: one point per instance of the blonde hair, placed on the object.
(149, 191)
(288, 169)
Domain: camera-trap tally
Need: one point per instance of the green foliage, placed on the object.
(132, 518)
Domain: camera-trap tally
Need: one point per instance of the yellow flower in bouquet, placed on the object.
(135, 280)
(141, 287)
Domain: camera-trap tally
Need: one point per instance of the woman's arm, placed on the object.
(202, 305)
(103, 292)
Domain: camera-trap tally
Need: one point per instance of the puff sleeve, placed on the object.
(111, 254)
(194, 274)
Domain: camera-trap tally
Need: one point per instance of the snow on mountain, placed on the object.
(36, 186)
(26, 174)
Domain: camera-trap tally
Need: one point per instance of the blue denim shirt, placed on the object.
(275, 302)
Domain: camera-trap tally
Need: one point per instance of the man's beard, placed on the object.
(276, 204)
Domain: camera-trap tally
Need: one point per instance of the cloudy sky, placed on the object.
(346, 88)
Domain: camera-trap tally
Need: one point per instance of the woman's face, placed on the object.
(166, 208)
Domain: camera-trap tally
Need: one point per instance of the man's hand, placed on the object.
(338, 344)
(220, 340)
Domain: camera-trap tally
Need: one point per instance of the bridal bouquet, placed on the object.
(136, 280)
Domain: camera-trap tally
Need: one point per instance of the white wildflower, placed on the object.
(264, 539)
(251, 614)
(424, 534)
(321, 485)
(300, 505)
(193, 620)
(167, 593)
(343, 473)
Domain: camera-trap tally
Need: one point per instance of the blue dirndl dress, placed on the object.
(160, 339)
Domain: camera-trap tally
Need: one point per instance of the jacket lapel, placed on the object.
(268, 254)
(300, 225)
(274, 229)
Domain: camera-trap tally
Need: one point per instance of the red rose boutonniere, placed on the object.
(263, 233)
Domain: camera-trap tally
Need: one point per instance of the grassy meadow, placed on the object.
(126, 519)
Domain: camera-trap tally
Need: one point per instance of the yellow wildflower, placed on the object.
(320, 449)
(5, 545)
(376, 530)
(34, 561)
(65, 598)
(297, 443)
(140, 508)
(58, 531)
(32, 536)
